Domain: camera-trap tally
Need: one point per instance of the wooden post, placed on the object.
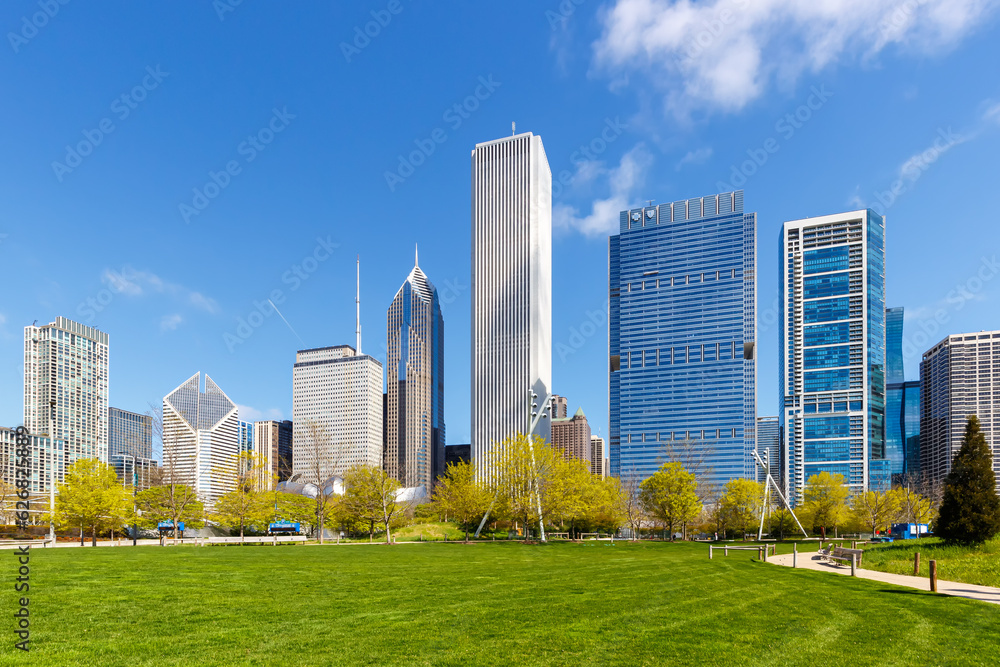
(916, 564)
(710, 552)
(726, 550)
(795, 556)
(854, 564)
(933, 564)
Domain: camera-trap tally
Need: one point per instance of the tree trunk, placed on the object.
(93, 535)
(241, 531)
(81, 534)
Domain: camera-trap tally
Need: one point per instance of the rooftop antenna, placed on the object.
(416, 255)
(649, 202)
(357, 304)
(513, 128)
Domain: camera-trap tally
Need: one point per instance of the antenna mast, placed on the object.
(357, 305)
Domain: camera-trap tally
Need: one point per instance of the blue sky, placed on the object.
(168, 165)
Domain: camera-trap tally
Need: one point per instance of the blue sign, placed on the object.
(283, 527)
(169, 525)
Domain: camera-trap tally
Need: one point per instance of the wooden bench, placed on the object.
(844, 555)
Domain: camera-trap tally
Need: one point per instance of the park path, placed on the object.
(812, 561)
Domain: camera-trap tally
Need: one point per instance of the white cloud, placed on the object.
(699, 156)
(170, 322)
(201, 301)
(623, 180)
(249, 414)
(992, 114)
(723, 54)
(132, 282)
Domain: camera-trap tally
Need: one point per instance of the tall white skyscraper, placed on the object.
(66, 387)
(201, 438)
(336, 411)
(511, 289)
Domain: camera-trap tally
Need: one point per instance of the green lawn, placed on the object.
(970, 565)
(490, 603)
(428, 531)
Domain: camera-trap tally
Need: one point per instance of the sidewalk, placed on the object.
(810, 560)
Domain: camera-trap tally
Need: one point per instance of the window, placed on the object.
(825, 259)
(827, 310)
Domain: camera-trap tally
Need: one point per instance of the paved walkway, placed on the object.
(810, 560)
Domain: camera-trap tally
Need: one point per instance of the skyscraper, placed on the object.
(415, 431)
(66, 387)
(273, 443)
(45, 463)
(682, 336)
(201, 438)
(511, 290)
(902, 404)
(960, 376)
(336, 411)
(598, 460)
(768, 441)
(130, 447)
(571, 437)
(832, 350)
(245, 436)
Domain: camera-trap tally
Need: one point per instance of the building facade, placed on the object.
(336, 412)
(273, 443)
(66, 387)
(130, 447)
(511, 291)
(414, 402)
(902, 405)
(682, 336)
(959, 377)
(560, 407)
(598, 457)
(572, 438)
(768, 446)
(201, 438)
(244, 434)
(832, 350)
(47, 461)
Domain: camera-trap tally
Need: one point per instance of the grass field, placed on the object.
(493, 603)
(428, 531)
(970, 565)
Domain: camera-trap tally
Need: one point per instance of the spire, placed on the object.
(357, 304)
(416, 255)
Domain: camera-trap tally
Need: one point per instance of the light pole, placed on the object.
(135, 490)
(536, 417)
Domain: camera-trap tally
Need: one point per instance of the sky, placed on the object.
(169, 167)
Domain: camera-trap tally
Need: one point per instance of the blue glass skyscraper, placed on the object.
(832, 350)
(682, 336)
(902, 404)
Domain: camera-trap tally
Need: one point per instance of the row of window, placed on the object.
(704, 434)
(677, 281)
(687, 354)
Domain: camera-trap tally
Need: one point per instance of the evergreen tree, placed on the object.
(970, 509)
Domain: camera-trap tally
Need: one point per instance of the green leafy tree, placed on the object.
(569, 494)
(460, 497)
(875, 509)
(370, 496)
(248, 502)
(670, 496)
(604, 508)
(521, 466)
(177, 503)
(92, 497)
(825, 500)
(742, 500)
(970, 508)
(295, 508)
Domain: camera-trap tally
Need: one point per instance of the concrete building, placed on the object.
(47, 461)
(511, 291)
(832, 350)
(201, 438)
(571, 437)
(682, 280)
(560, 407)
(414, 401)
(598, 457)
(336, 411)
(66, 387)
(273, 443)
(960, 376)
(130, 447)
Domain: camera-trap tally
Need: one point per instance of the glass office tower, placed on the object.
(902, 405)
(832, 350)
(682, 336)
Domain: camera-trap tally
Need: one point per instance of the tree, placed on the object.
(521, 466)
(458, 495)
(91, 496)
(670, 496)
(742, 501)
(970, 509)
(825, 497)
(782, 522)
(370, 495)
(913, 506)
(248, 502)
(604, 509)
(295, 508)
(569, 492)
(875, 509)
(696, 457)
(176, 503)
(323, 461)
(629, 501)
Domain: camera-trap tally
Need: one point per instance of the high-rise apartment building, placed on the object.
(832, 350)
(336, 411)
(768, 444)
(130, 447)
(511, 291)
(244, 435)
(46, 461)
(414, 405)
(902, 404)
(273, 443)
(598, 459)
(560, 407)
(201, 438)
(682, 336)
(571, 436)
(66, 387)
(959, 377)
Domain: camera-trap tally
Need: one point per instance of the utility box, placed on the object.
(909, 531)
